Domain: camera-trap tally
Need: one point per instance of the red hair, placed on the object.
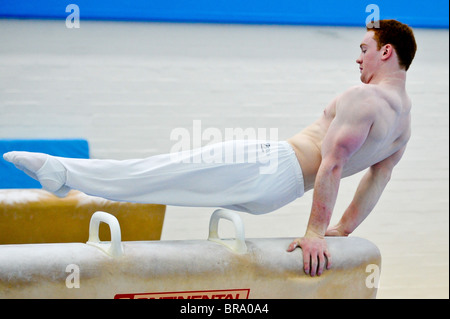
(399, 35)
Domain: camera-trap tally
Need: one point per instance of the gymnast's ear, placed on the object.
(386, 52)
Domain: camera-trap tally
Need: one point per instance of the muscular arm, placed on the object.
(337, 150)
(367, 195)
(347, 133)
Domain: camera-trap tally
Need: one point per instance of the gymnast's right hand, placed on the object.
(315, 253)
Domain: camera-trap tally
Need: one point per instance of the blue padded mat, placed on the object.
(11, 177)
(416, 13)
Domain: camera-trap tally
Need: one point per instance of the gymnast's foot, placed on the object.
(42, 167)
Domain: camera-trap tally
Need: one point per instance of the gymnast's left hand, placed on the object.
(315, 253)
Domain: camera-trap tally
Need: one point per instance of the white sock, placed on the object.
(42, 167)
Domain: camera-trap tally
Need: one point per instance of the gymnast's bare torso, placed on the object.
(389, 110)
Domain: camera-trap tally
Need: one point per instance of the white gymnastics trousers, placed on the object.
(244, 175)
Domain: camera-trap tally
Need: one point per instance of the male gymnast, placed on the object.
(366, 127)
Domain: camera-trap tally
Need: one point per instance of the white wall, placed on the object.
(126, 86)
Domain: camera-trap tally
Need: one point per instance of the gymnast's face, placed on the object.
(369, 58)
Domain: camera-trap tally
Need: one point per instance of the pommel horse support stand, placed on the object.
(183, 269)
